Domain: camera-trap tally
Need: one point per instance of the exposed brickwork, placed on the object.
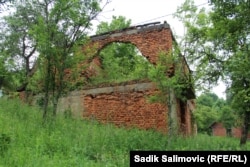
(127, 109)
(127, 105)
(149, 40)
(219, 130)
(131, 108)
(236, 132)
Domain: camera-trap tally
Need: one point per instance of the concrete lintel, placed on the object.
(100, 37)
(130, 30)
(75, 93)
(120, 89)
(116, 35)
(153, 28)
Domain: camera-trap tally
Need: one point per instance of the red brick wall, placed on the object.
(127, 109)
(131, 107)
(236, 132)
(149, 40)
(219, 130)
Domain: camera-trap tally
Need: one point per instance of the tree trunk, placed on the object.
(46, 89)
(58, 84)
(55, 101)
(46, 102)
(245, 128)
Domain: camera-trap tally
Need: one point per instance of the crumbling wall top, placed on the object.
(132, 30)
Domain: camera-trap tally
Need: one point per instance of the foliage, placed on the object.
(73, 142)
(207, 99)
(219, 52)
(48, 33)
(61, 26)
(209, 109)
(205, 117)
(4, 75)
(120, 61)
(228, 117)
(235, 40)
(171, 73)
(172, 80)
(196, 45)
(19, 46)
(117, 23)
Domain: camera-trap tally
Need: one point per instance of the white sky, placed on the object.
(146, 11)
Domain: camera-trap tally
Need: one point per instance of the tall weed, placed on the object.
(64, 141)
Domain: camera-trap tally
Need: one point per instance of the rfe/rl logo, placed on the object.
(226, 158)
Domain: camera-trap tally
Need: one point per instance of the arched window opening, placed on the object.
(121, 62)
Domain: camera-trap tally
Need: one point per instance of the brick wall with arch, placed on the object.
(127, 104)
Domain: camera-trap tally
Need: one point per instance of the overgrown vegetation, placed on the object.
(53, 29)
(216, 43)
(210, 109)
(46, 32)
(120, 62)
(72, 142)
(172, 80)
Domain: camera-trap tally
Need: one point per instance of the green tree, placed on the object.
(19, 45)
(218, 45)
(53, 30)
(117, 23)
(196, 47)
(204, 117)
(3, 73)
(207, 99)
(234, 42)
(228, 118)
(121, 61)
(210, 108)
(61, 26)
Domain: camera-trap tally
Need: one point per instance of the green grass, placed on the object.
(74, 142)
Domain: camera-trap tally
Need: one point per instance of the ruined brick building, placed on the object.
(126, 104)
(218, 129)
